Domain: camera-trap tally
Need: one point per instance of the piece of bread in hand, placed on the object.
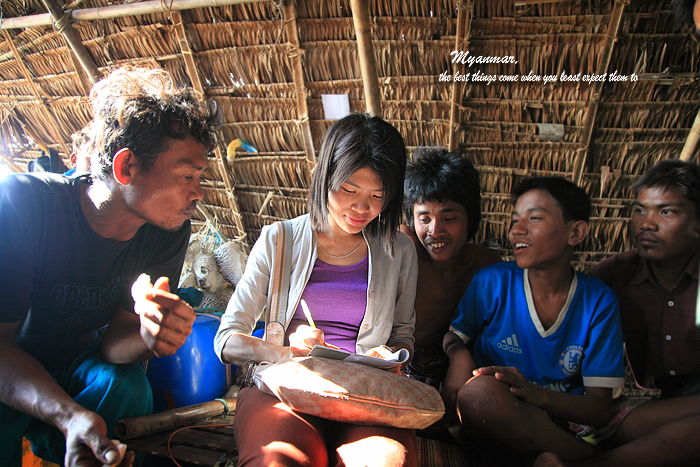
(142, 285)
(122, 452)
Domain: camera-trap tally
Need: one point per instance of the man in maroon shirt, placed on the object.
(657, 285)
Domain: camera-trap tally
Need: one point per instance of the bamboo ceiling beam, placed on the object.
(33, 135)
(536, 2)
(12, 165)
(63, 26)
(38, 91)
(295, 53)
(365, 50)
(188, 56)
(82, 76)
(461, 43)
(603, 64)
(195, 78)
(40, 94)
(691, 142)
(119, 11)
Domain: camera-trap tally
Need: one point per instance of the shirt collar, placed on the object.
(643, 272)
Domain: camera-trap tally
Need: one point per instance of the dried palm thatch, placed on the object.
(244, 59)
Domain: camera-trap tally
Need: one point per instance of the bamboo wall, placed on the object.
(245, 62)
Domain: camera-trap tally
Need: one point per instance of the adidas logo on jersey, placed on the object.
(510, 345)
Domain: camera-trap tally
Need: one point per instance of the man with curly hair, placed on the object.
(71, 248)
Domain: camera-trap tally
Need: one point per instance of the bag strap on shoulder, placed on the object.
(275, 318)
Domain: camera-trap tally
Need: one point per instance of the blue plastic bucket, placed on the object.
(194, 374)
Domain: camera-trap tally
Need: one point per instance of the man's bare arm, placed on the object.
(26, 386)
(459, 371)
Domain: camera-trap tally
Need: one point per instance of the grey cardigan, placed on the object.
(389, 317)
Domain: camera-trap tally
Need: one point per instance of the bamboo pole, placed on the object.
(64, 27)
(295, 54)
(536, 2)
(40, 94)
(195, 78)
(11, 163)
(460, 43)
(27, 129)
(133, 427)
(188, 56)
(82, 76)
(586, 134)
(365, 50)
(38, 91)
(691, 142)
(119, 11)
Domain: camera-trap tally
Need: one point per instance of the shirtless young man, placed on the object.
(442, 203)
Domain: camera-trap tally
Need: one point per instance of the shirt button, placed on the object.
(670, 303)
(671, 372)
(668, 338)
(371, 295)
(366, 326)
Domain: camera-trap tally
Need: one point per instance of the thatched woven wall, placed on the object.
(245, 60)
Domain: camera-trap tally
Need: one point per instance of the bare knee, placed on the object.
(377, 451)
(484, 399)
(280, 454)
(548, 459)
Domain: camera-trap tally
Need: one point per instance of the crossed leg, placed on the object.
(660, 432)
(491, 414)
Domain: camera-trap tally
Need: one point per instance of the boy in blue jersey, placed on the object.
(535, 348)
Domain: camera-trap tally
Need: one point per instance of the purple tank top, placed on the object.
(337, 299)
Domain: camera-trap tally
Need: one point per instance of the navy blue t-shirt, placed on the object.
(58, 277)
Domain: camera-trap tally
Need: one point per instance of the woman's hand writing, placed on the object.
(303, 340)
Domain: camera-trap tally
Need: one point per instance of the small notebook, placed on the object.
(395, 361)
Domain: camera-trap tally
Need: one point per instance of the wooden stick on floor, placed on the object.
(134, 427)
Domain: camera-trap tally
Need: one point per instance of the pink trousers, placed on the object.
(268, 433)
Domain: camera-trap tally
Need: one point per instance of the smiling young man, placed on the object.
(657, 285)
(70, 249)
(535, 348)
(442, 203)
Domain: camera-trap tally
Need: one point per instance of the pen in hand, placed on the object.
(307, 313)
